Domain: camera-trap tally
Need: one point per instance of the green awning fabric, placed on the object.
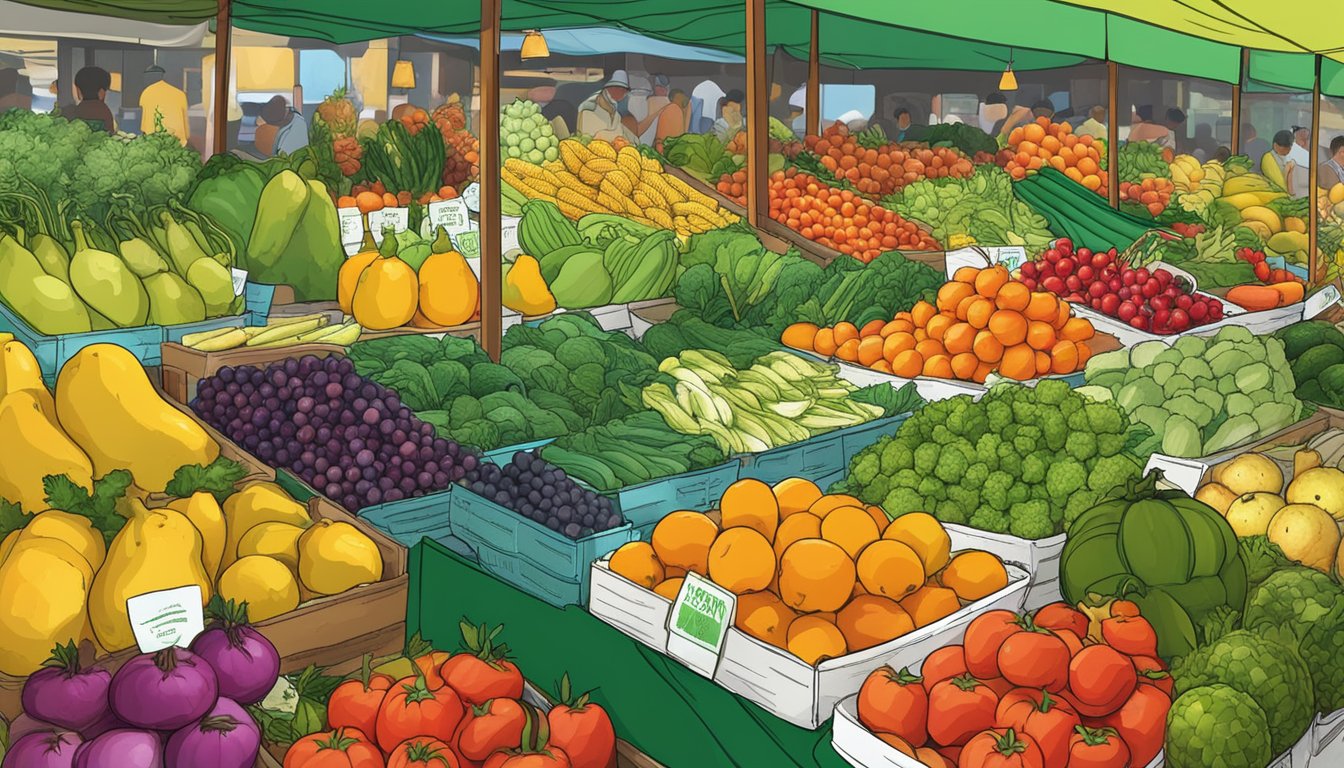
(1139, 45)
(1332, 78)
(185, 12)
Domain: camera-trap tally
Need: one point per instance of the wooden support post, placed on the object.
(1236, 104)
(1315, 265)
(223, 33)
(758, 118)
(1113, 133)
(813, 116)
(488, 134)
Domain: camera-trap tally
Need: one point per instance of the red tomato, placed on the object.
(1047, 720)
(1130, 635)
(553, 757)
(535, 749)
(1061, 616)
(412, 708)
(585, 733)
(341, 748)
(895, 702)
(1100, 679)
(429, 665)
(421, 752)
(1142, 722)
(354, 704)
(1001, 749)
(1072, 641)
(496, 724)
(1035, 659)
(943, 664)
(479, 680)
(933, 758)
(960, 708)
(1153, 672)
(999, 686)
(984, 635)
(1125, 608)
(1099, 748)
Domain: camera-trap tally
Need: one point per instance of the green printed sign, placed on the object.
(698, 623)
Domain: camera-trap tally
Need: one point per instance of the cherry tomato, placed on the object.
(984, 635)
(1130, 635)
(341, 748)
(1001, 749)
(943, 664)
(895, 702)
(1142, 722)
(1153, 672)
(1100, 679)
(1035, 659)
(960, 708)
(1061, 616)
(496, 724)
(421, 752)
(412, 708)
(1046, 719)
(1098, 748)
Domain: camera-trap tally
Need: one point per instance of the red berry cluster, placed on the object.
(1149, 301)
(1263, 273)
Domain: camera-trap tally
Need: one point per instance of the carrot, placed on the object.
(1256, 298)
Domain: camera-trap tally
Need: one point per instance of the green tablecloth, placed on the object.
(670, 713)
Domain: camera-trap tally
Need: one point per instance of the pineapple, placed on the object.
(338, 113)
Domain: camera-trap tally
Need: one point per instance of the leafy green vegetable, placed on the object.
(218, 479)
(892, 400)
(702, 154)
(965, 137)
(11, 517)
(100, 506)
(1140, 159)
(982, 206)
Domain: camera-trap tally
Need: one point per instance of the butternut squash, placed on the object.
(524, 289)
(387, 293)
(449, 290)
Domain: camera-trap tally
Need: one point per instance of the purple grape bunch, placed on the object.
(543, 492)
(351, 439)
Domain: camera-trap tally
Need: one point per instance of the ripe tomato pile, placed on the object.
(880, 171)
(1263, 272)
(1153, 193)
(1042, 143)
(1056, 689)
(463, 710)
(1149, 301)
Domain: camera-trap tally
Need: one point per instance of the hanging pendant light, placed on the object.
(1008, 80)
(534, 46)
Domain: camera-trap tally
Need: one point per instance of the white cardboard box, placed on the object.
(1040, 558)
(773, 678)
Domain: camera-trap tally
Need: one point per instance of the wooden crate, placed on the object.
(184, 367)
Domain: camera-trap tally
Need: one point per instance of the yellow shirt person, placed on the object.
(168, 103)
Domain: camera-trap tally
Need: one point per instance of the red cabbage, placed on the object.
(43, 749)
(245, 662)
(164, 691)
(225, 738)
(64, 694)
(122, 748)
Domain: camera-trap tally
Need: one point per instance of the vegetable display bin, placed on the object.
(823, 459)
(773, 678)
(182, 368)
(645, 504)
(1040, 557)
(527, 554)
(505, 454)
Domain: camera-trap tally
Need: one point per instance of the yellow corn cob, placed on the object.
(611, 190)
(569, 180)
(650, 165)
(526, 170)
(602, 165)
(633, 208)
(656, 199)
(577, 200)
(662, 183)
(613, 204)
(660, 218)
(642, 220)
(574, 155)
(539, 186)
(642, 199)
(700, 223)
(621, 181)
(570, 211)
(692, 208)
(602, 149)
(687, 191)
(628, 158)
(590, 176)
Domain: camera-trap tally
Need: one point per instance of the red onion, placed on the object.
(245, 662)
(163, 691)
(64, 694)
(43, 749)
(225, 738)
(122, 748)
(24, 725)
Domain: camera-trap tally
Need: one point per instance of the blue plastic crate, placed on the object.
(405, 521)
(645, 504)
(505, 455)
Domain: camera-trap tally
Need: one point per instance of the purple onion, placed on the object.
(246, 664)
(24, 725)
(63, 694)
(43, 749)
(122, 748)
(225, 738)
(109, 722)
(163, 691)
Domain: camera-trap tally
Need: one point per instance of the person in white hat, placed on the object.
(599, 115)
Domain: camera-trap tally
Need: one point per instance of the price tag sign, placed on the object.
(508, 234)
(166, 618)
(399, 218)
(452, 215)
(1320, 301)
(965, 257)
(239, 281)
(1010, 256)
(468, 243)
(472, 197)
(979, 257)
(1182, 473)
(698, 623)
(352, 229)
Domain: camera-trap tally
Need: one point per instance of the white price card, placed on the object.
(398, 218)
(1320, 301)
(1010, 256)
(166, 618)
(352, 226)
(508, 234)
(472, 196)
(452, 215)
(698, 624)
(239, 281)
(1185, 474)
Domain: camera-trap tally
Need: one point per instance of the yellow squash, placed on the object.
(32, 447)
(264, 583)
(77, 531)
(43, 587)
(387, 292)
(256, 504)
(449, 290)
(205, 513)
(524, 289)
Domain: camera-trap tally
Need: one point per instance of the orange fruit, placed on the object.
(850, 527)
(1040, 335)
(795, 494)
(930, 757)
(870, 350)
(929, 348)
(982, 372)
(1084, 352)
(966, 275)
(813, 639)
(964, 365)
(752, 504)
(871, 328)
(815, 575)
(974, 575)
(848, 351)
(1042, 363)
(844, 331)
(879, 516)
(1072, 172)
(895, 344)
(1033, 132)
(990, 280)
(891, 569)
(921, 312)
(1062, 315)
(799, 336)
(897, 326)
(938, 366)
(959, 338)
(951, 294)
(1043, 306)
(741, 560)
(1064, 357)
(923, 533)
(1077, 329)
(963, 309)
(831, 502)
(765, 617)
(1019, 362)
(907, 364)
(937, 325)
(1008, 327)
(1013, 295)
(881, 366)
(637, 562)
(979, 313)
(823, 343)
(929, 604)
(682, 540)
(920, 335)
(1050, 144)
(871, 620)
(796, 527)
(670, 588)
(986, 347)
(1092, 182)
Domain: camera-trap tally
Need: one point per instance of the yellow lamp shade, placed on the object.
(116, 82)
(534, 46)
(1008, 82)
(403, 74)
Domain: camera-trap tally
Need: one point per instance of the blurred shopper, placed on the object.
(562, 115)
(993, 112)
(673, 119)
(91, 86)
(15, 91)
(1252, 146)
(654, 105)
(1094, 125)
(600, 114)
(798, 111)
(1176, 139)
(1278, 165)
(1331, 171)
(1142, 128)
(1300, 153)
(286, 132)
(730, 116)
(162, 102)
(1043, 108)
(1204, 146)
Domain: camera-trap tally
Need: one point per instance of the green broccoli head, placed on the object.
(987, 518)
(1079, 502)
(895, 455)
(1105, 418)
(1296, 596)
(987, 450)
(863, 468)
(976, 474)
(1111, 473)
(1065, 477)
(948, 512)
(999, 415)
(1034, 467)
(995, 490)
(1025, 412)
(1110, 445)
(952, 465)
(1217, 725)
(1323, 651)
(1262, 557)
(1054, 428)
(926, 458)
(1081, 446)
(965, 498)
(902, 500)
(932, 488)
(1031, 520)
(1052, 392)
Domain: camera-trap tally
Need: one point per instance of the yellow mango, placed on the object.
(264, 583)
(43, 587)
(336, 556)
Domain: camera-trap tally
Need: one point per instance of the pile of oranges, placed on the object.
(880, 171)
(817, 575)
(1043, 143)
(375, 197)
(1154, 193)
(981, 322)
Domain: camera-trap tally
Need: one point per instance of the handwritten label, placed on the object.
(468, 243)
(352, 229)
(508, 234)
(698, 624)
(1185, 474)
(166, 618)
(452, 215)
(239, 281)
(1010, 256)
(398, 218)
(472, 197)
(1320, 301)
